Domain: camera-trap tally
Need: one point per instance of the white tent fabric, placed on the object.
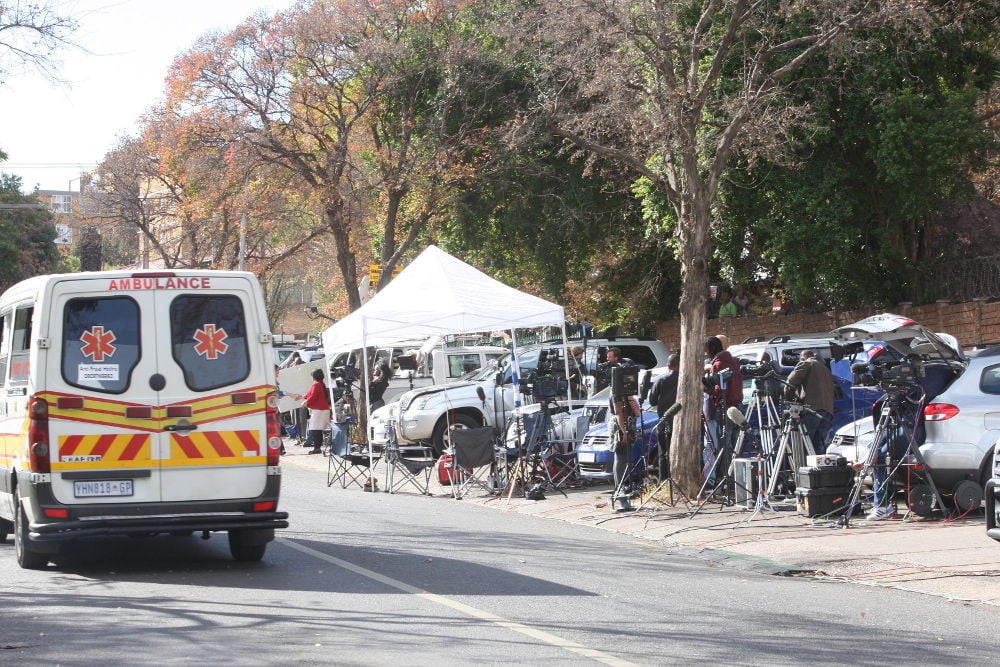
(438, 294)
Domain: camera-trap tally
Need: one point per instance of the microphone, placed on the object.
(737, 418)
(668, 415)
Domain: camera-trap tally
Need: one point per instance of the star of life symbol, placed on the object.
(97, 343)
(211, 341)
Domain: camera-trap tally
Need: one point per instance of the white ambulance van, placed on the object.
(137, 404)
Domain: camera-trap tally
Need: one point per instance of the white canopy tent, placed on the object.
(438, 294)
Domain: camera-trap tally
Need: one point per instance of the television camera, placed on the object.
(885, 374)
(720, 379)
(548, 379)
(346, 375)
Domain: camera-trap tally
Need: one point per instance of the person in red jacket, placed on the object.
(317, 399)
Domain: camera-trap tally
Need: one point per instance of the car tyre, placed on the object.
(242, 550)
(27, 558)
(440, 440)
(5, 529)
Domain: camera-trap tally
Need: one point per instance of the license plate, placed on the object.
(102, 488)
(586, 457)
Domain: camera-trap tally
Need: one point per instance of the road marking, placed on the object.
(534, 633)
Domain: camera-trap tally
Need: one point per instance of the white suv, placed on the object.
(429, 414)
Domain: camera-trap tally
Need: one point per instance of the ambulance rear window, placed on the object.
(209, 340)
(100, 346)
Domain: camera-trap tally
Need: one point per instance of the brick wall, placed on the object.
(974, 324)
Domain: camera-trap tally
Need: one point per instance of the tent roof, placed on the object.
(439, 294)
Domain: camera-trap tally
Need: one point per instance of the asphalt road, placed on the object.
(363, 578)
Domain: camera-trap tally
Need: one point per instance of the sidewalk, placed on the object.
(951, 559)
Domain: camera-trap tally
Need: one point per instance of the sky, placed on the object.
(51, 132)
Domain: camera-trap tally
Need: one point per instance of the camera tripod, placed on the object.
(794, 445)
(665, 426)
(727, 485)
(532, 448)
(894, 424)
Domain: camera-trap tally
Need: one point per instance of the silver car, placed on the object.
(962, 422)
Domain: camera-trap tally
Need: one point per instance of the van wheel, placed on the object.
(5, 528)
(242, 551)
(26, 556)
(441, 440)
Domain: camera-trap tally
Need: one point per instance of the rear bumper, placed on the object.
(105, 519)
(101, 526)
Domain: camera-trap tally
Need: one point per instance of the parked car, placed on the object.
(594, 455)
(962, 422)
(429, 414)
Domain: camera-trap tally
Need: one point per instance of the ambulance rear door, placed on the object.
(156, 389)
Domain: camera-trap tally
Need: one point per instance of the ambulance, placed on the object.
(137, 403)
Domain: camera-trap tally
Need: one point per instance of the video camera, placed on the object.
(549, 386)
(346, 374)
(624, 380)
(720, 379)
(760, 369)
(891, 373)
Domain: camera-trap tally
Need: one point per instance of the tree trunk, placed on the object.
(346, 258)
(686, 444)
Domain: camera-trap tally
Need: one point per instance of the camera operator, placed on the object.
(907, 398)
(811, 384)
(624, 411)
(723, 387)
(577, 371)
(379, 381)
(663, 394)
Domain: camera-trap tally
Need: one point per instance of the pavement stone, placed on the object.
(953, 559)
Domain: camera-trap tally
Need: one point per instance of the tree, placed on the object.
(893, 142)
(670, 90)
(27, 235)
(30, 35)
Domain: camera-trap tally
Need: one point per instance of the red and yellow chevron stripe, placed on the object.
(80, 452)
(214, 448)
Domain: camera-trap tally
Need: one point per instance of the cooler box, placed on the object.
(447, 472)
(824, 477)
(821, 502)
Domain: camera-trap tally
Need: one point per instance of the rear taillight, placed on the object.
(38, 435)
(938, 412)
(273, 430)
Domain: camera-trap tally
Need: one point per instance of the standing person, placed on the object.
(281, 394)
(317, 400)
(300, 416)
(577, 371)
(742, 301)
(811, 383)
(624, 410)
(379, 382)
(663, 395)
(723, 389)
(727, 308)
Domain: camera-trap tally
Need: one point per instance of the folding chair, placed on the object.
(348, 467)
(561, 468)
(475, 466)
(413, 465)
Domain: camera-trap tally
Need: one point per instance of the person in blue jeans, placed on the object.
(905, 431)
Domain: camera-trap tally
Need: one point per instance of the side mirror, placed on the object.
(499, 379)
(481, 394)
